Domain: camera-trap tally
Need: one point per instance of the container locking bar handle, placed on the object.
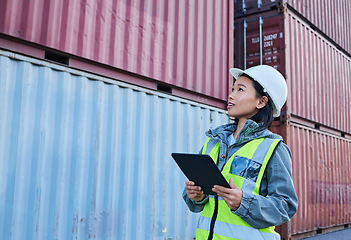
(244, 6)
(245, 27)
(261, 23)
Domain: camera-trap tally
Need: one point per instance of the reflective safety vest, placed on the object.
(217, 221)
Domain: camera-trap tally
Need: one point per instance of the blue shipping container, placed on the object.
(82, 156)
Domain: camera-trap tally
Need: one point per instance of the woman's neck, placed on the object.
(241, 124)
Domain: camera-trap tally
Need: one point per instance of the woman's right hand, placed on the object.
(194, 192)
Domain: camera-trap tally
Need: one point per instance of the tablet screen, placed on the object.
(202, 170)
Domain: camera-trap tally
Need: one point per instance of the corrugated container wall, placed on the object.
(321, 165)
(316, 118)
(188, 44)
(331, 18)
(319, 77)
(83, 156)
(317, 73)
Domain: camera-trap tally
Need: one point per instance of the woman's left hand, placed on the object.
(232, 196)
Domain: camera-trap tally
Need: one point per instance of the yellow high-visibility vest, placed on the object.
(217, 221)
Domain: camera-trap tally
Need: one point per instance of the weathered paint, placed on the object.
(187, 44)
(82, 156)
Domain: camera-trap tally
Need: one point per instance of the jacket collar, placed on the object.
(251, 130)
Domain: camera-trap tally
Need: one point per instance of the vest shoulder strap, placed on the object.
(273, 146)
(214, 151)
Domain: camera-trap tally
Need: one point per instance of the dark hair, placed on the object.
(265, 114)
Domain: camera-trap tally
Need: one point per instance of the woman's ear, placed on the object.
(262, 102)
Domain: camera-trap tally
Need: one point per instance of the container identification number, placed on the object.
(268, 44)
(268, 39)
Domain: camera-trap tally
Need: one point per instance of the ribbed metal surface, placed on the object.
(318, 77)
(321, 165)
(321, 172)
(86, 157)
(183, 43)
(330, 17)
(317, 73)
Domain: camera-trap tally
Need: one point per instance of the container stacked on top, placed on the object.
(186, 47)
(308, 45)
(331, 18)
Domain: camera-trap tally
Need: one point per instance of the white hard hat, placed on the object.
(272, 81)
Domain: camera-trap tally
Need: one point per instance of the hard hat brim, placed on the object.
(236, 72)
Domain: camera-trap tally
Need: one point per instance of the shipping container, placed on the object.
(318, 74)
(184, 44)
(84, 156)
(316, 118)
(331, 18)
(319, 77)
(321, 172)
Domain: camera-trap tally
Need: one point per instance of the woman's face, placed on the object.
(243, 102)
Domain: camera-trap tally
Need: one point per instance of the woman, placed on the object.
(255, 162)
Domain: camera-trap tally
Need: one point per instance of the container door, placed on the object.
(259, 39)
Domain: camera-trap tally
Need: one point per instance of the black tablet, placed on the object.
(202, 170)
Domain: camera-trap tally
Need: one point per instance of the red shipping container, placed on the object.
(317, 73)
(316, 118)
(331, 18)
(183, 44)
(321, 165)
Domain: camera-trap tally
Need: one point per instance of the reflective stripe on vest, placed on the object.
(229, 225)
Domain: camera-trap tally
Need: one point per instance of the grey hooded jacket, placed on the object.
(277, 202)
